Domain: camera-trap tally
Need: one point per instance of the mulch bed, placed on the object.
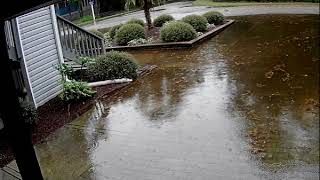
(154, 33)
(158, 43)
(55, 113)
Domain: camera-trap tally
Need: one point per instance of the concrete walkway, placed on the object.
(181, 9)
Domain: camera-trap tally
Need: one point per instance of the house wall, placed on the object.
(40, 54)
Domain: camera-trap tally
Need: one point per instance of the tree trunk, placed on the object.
(146, 8)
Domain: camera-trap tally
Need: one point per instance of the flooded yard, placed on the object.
(243, 105)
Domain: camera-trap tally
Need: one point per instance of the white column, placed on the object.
(56, 33)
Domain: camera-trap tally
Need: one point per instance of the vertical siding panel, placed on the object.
(44, 81)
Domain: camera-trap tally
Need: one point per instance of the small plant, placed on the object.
(65, 70)
(129, 32)
(160, 20)
(107, 39)
(97, 33)
(114, 30)
(137, 42)
(199, 23)
(75, 91)
(113, 65)
(176, 31)
(28, 114)
(214, 17)
(136, 21)
(83, 61)
(209, 26)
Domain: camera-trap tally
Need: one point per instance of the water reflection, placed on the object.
(276, 74)
(247, 97)
(66, 154)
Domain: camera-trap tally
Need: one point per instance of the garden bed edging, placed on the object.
(190, 43)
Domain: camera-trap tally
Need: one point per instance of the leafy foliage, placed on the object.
(83, 61)
(107, 39)
(76, 91)
(136, 21)
(113, 65)
(65, 70)
(114, 30)
(129, 3)
(129, 32)
(176, 31)
(139, 41)
(160, 20)
(199, 23)
(214, 17)
(28, 114)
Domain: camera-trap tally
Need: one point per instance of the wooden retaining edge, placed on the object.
(190, 43)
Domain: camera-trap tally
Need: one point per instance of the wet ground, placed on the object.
(180, 9)
(243, 105)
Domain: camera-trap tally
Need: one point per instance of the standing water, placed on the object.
(243, 105)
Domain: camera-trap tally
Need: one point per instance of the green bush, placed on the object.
(136, 21)
(199, 23)
(76, 91)
(129, 32)
(160, 20)
(28, 114)
(114, 30)
(176, 31)
(97, 33)
(113, 65)
(65, 70)
(214, 17)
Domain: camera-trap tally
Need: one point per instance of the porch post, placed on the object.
(9, 107)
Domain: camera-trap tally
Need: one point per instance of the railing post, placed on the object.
(57, 33)
(78, 40)
(103, 51)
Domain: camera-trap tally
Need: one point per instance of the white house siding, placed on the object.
(40, 53)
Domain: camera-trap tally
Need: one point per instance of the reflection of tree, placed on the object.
(160, 98)
(273, 103)
(160, 93)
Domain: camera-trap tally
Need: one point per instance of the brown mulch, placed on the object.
(153, 33)
(55, 114)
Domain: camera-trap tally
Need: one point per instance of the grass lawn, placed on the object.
(85, 20)
(211, 3)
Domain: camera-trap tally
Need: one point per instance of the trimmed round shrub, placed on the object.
(113, 65)
(176, 31)
(114, 30)
(136, 21)
(129, 32)
(214, 17)
(160, 20)
(97, 33)
(199, 23)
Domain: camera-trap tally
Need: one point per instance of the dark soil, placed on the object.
(55, 113)
(153, 33)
